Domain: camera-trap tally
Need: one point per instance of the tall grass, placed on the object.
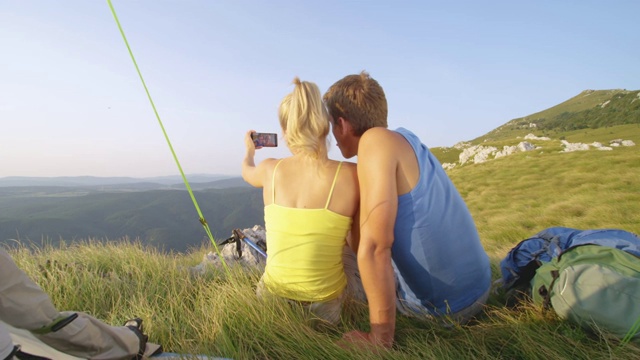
(218, 313)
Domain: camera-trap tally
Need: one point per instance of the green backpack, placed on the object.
(593, 286)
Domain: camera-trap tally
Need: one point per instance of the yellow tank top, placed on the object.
(305, 250)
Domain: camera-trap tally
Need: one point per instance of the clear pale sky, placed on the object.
(72, 104)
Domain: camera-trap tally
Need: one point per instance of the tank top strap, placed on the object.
(273, 182)
(335, 179)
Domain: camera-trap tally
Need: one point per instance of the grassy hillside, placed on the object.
(588, 111)
(510, 199)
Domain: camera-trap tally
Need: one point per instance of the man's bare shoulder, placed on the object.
(381, 139)
(350, 168)
(377, 133)
(348, 165)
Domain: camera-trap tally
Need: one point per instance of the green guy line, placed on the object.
(632, 332)
(184, 178)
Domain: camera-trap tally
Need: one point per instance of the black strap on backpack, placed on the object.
(21, 355)
(13, 352)
(135, 325)
(546, 293)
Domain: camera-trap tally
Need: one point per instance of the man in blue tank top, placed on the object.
(419, 250)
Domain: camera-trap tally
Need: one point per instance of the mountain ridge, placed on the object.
(86, 180)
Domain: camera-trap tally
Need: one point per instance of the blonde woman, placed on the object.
(310, 206)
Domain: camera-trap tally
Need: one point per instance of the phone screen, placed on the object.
(265, 139)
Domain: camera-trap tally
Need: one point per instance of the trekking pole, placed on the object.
(175, 157)
(240, 235)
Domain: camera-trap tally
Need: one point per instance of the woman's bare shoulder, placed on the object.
(270, 163)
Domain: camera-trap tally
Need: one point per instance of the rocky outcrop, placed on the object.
(476, 154)
(250, 257)
(569, 147)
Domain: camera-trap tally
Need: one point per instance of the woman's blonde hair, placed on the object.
(305, 120)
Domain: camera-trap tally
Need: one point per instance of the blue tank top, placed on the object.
(437, 255)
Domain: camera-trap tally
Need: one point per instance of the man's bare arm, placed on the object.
(378, 209)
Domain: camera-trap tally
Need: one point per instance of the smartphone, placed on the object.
(265, 139)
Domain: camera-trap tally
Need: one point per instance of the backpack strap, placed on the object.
(13, 352)
(546, 293)
(21, 355)
(56, 324)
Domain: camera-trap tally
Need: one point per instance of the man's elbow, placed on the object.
(371, 250)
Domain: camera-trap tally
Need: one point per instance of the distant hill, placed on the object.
(218, 184)
(165, 218)
(591, 109)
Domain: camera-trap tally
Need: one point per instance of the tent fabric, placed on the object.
(25, 306)
(31, 345)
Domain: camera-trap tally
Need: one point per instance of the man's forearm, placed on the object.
(379, 284)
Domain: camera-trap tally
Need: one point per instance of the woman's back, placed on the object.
(307, 226)
(304, 183)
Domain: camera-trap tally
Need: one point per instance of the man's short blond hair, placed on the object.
(358, 99)
(305, 120)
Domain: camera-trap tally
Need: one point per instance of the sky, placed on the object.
(72, 104)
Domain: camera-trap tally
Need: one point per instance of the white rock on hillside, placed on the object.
(526, 146)
(448, 166)
(462, 145)
(599, 146)
(483, 154)
(569, 147)
(533, 137)
(506, 151)
(469, 153)
(620, 142)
